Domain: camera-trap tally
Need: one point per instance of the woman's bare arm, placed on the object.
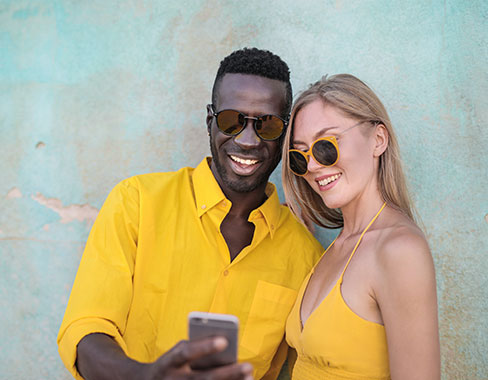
(405, 290)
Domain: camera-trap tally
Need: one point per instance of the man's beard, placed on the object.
(237, 185)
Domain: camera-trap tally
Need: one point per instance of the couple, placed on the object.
(216, 239)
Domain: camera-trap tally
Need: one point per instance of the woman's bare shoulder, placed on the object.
(402, 249)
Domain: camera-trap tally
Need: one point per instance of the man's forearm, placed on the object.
(99, 357)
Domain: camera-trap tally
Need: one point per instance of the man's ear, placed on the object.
(209, 117)
(381, 140)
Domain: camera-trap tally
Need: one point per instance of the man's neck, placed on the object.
(244, 203)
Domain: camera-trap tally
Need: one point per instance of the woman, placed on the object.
(368, 309)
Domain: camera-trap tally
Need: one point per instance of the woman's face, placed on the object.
(354, 174)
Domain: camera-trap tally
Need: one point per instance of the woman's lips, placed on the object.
(328, 181)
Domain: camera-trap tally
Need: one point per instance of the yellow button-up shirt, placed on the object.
(156, 253)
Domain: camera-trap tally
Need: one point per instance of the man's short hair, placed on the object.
(258, 62)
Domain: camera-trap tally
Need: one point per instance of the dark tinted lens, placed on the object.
(298, 162)
(270, 127)
(325, 152)
(230, 122)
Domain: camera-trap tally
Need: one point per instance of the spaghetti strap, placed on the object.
(359, 241)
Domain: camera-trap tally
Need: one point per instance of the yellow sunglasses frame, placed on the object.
(309, 153)
(331, 139)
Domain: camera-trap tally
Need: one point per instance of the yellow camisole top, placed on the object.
(335, 343)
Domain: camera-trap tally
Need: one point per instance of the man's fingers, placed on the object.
(186, 351)
(229, 372)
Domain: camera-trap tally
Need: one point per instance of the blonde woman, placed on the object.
(368, 309)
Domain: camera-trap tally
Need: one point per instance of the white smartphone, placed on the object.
(202, 325)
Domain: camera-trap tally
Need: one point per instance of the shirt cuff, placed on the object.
(68, 342)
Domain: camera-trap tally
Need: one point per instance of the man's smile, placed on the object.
(244, 166)
(244, 161)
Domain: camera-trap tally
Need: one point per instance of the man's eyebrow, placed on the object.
(315, 136)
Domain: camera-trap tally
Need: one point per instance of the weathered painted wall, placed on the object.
(92, 92)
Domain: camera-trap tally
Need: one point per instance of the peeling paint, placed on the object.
(69, 213)
(14, 193)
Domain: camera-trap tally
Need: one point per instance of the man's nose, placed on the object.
(248, 139)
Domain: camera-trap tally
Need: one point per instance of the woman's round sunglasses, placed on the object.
(325, 152)
(232, 122)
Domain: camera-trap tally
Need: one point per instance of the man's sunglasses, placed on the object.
(325, 152)
(232, 122)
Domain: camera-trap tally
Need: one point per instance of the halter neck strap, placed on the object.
(359, 241)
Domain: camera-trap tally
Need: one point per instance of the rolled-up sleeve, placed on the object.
(102, 291)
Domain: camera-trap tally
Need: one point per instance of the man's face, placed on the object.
(244, 162)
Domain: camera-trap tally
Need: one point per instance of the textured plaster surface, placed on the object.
(94, 92)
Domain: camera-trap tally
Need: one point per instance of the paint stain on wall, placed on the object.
(14, 193)
(69, 213)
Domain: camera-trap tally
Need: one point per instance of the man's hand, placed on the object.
(175, 364)
(100, 358)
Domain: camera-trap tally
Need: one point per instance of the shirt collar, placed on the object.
(207, 191)
(271, 208)
(208, 194)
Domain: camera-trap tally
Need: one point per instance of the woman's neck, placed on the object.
(359, 212)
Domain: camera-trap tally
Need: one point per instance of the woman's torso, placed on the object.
(334, 342)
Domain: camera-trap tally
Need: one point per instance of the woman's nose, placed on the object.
(312, 164)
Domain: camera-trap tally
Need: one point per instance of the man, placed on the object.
(213, 239)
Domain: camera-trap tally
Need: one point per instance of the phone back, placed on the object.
(202, 325)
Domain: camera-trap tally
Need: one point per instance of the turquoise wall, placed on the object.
(92, 92)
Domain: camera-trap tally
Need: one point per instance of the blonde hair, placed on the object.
(357, 101)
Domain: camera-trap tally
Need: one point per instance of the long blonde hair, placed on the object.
(356, 100)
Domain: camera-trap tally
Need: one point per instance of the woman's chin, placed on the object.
(332, 202)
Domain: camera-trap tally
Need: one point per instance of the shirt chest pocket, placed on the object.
(265, 325)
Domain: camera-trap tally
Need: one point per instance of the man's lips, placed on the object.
(242, 160)
(242, 165)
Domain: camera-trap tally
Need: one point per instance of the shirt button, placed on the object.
(224, 203)
(272, 226)
(226, 272)
(204, 207)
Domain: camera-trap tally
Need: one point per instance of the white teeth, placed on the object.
(243, 161)
(329, 179)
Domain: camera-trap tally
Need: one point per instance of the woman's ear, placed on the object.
(381, 140)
